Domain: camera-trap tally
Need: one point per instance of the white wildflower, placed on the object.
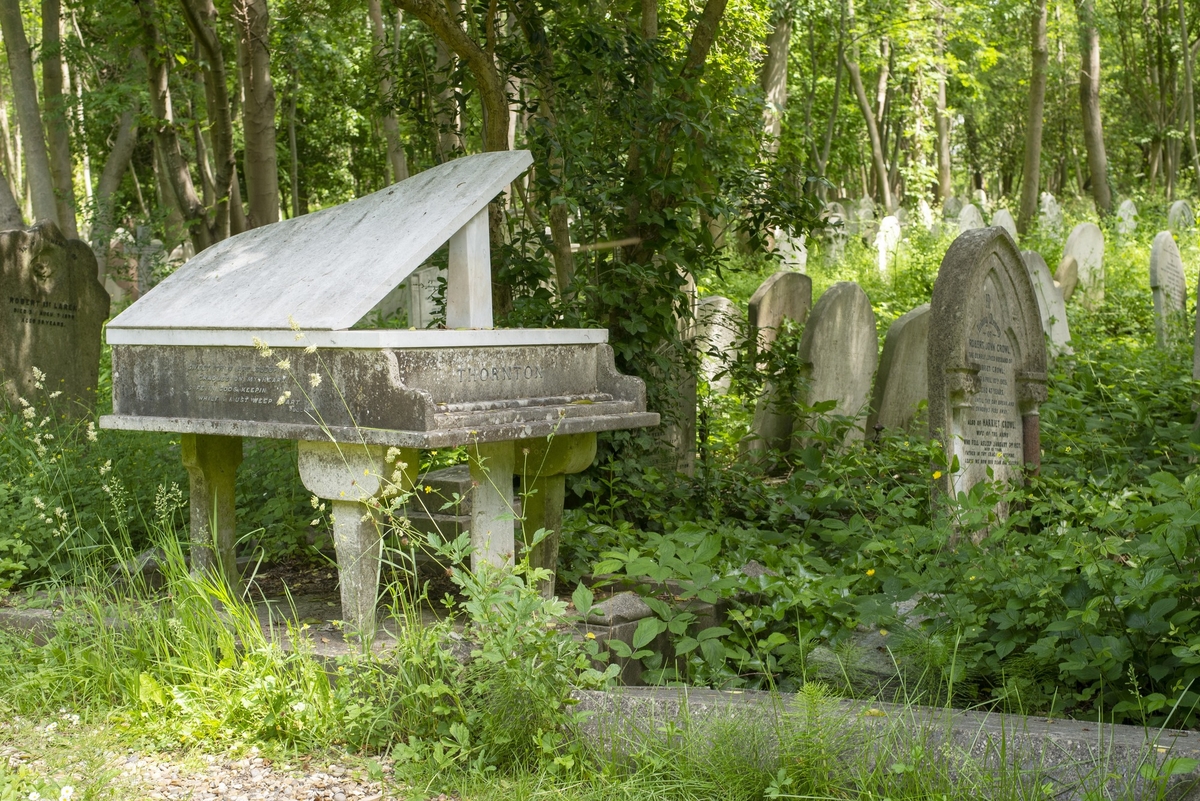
(39, 378)
(29, 413)
(55, 394)
(38, 503)
(106, 467)
(314, 380)
(263, 350)
(91, 432)
(313, 500)
(283, 398)
(311, 349)
(66, 793)
(284, 364)
(295, 326)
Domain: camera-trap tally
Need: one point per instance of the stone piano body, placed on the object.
(253, 338)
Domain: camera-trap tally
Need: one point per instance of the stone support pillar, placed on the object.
(212, 462)
(492, 503)
(543, 465)
(350, 477)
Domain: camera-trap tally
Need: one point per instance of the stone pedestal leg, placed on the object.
(543, 465)
(492, 503)
(350, 476)
(212, 463)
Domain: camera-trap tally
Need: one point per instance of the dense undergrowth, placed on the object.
(1084, 601)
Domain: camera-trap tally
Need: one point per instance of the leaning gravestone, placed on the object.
(1067, 277)
(902, 382)
(1180, 217)
(793, 253)
(1086, 244)
(1050, 216)
(987, 363)
(719, 324)
(1126, 217)
(1168, 286)
(1051, 306)
(969, 218)
(1004, 219)
(783, 296)
(886, 243)
(54, 308)
(951, 208)
(839, 351)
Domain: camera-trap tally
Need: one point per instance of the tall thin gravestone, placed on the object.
(1050, 216)
(1086, 244)
(987, 363)
(783, 296)
(1051, 306)
(887, 241)
(1127, 214)
(1168, 287)
(52, 313)
(902, 381)
(719, 324)
(839, 352)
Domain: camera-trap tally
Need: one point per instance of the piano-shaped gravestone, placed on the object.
(252, 338)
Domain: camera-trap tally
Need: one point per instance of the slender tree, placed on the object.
(391, 127)
(54, 113)
(258, 110)
(774, 76)
(1040, 57)
(33, 135)
(1089, 104)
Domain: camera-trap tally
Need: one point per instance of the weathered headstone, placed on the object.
(887, 241)
(969, 218)
(925, 214)
(1051, 306)
(980, 199)
(839, 352)
(902, 382)
(837, 232)
(1180, 217)
(1050, 216)
(783, 296)
(1086, 244)
(987, 363)
(793, 254)
(1127, 214)
(865, 216)
(1067, 277)
(951, 208)
(53, 310)
(1004, 219)
(1168, 286)
(719, 325)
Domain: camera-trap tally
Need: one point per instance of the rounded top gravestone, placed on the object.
(902, 381)
(1050, 304)
(53, 308)
(987, 362)
(718, 336)
(925, 214)
(1067, 277)
(951, 208)
(1168, 286)
(1180, 217)
(969, 218)
(1086, 244)
(783, 296)
(1050, 218)
(839, 351)
(1004, 219)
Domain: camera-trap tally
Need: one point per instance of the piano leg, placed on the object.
(212, 462)
(543, 465)
(349, 477)
(492, 513)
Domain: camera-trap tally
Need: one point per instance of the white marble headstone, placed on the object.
(1127, 217)
(925, 214)
(1050, 305)
(1050, 217)
(1004, 219)
(1086, 244)
(969, 218)
(887, 242)
(1167, 285)
(719, 325)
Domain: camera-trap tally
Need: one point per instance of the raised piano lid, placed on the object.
(323, 271)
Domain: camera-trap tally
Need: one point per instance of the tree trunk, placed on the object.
(1089, 103)
(542, 62)
(1040, 58)
(293, 153)
(1189, 97)
(942, 120)
(10, 212)
(391, 128)
(775, 74)
(258, 111)
(110, 181)
(878, 159)
(20, 64)
(54, 107)
(831, 124)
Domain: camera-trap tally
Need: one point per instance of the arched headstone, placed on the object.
(719, 324)
(1167, 285)
(951, 208)
(925, 214)
(902, 381)
(987, 363)
(1086, 244)
(1050, 217)
(969, 218)
(1127, 217)
(1180, 217)
(1004, 219)
(1051, 306)
(783, 296)
(1067, 277)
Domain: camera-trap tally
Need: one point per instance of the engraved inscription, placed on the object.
(487, 372)
(36, 311)
(992, 434)
(255, 384)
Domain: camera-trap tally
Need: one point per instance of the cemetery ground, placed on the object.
(1082, 603)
